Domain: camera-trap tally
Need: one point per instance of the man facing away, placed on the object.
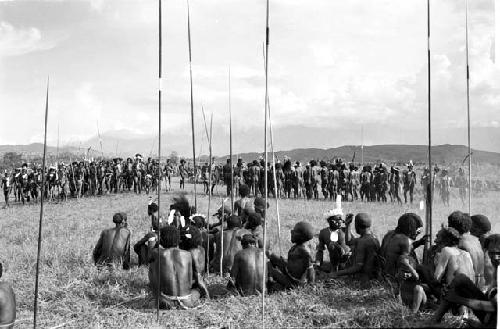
(177, 269)
(114, 245)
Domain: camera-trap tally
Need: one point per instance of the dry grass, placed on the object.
(74, 293)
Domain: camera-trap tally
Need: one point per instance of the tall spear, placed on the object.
(209, 137)
(192, 110)
(57, 154)
(231, 144)
(39, 246)
(429, 187)
(100, 139)
(265, 169)
(274, 166)
(468, 98)
(159, 153)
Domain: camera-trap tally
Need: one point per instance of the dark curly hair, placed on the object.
(460, 222)
(169, 237)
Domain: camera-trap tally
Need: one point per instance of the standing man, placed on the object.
(6, 187)
(183, 174)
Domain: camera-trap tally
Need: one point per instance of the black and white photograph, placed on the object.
(249, 163)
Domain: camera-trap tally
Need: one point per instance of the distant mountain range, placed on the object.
(375, 153)
(385, 153)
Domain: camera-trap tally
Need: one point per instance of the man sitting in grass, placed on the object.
(230, 244)
(401, 262)
(298, 268)
(177, 270)
(246, 273)
(254, 225)
(470, 243)
(191, 240)
(7, 304)
(332, 238)
(363, 263)
(480, 228)
(113, 246)
(463, 292)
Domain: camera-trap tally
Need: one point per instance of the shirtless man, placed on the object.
(481, 228)
(5, 185)
(401, 262)
(177, 270)
(470, 243)
(363, 260)
(463, 291)
(245, 204)
(7, 304)
(332, 238)
(298, 269)
(191, 240)
(113, 245)
(254, 225)
(451, 260)
(246, 273)
(231, 244)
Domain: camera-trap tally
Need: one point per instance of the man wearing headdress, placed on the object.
(332, 238)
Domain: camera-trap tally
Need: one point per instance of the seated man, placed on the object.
(260, 206)
(401, 264)
(363, 260)
(298, 269)
(230, 244)
(7, 304)
(480, 228)
(144, 246)
(246, 273)
(113, 245)
(468, 242)
(332, 238)
(254, 225)
(177, 270)
(191, 240)
(198, 221)
(463, 291)
(244, 204)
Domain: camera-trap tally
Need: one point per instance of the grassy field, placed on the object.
(74, 293)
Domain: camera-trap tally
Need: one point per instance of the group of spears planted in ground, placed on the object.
(457, 273)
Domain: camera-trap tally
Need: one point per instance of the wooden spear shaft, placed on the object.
(39, 246)
(192, 109)
(468, 99)
(159, 156)
(264, 276)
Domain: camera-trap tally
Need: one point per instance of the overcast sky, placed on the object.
(332, 64)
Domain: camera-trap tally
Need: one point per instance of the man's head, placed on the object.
(335, 222)
(302, 232)
(223, 211)
(254, 219)
(118, 219)
(234, 222)
(198, 220)
(460, 222)
(248, 240)
(448, 237)
(260, 205)
(362, 222)
(492, 246)
(244, 191)
(190, 237)
(408, 224)
(169, 237)
(480, 225)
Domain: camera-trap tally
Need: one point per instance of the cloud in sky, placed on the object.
(332, 64)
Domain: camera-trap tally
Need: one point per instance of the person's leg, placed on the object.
(419, 298)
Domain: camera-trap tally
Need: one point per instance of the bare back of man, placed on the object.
(231, 245)
(7, 306)
(246, 272)
(452, 261)
(397, 245)
(175, 278)
(113, 247)
(471, 244)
